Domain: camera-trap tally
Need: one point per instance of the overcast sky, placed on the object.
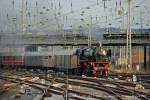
(52, 15)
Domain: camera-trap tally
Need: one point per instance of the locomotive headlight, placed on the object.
(104, 52)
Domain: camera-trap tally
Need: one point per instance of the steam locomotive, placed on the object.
(93, 61)
(84, 61)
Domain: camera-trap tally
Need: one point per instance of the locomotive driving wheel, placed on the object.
(88, 71)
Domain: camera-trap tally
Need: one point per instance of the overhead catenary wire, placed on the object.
(141, 2)
(116, 18)
(49, 23)
(71, 12)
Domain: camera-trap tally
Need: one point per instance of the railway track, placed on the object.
(104, 85)
(144, 79)
(115, 89)
(49, 89)
(140, 76)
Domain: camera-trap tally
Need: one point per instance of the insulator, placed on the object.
(44, 7)
(47, 9)
(59, 5)
(13, 2)
(36, 3)
(41, 12)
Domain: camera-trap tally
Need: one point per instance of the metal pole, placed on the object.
(130, 38)
(141, 21)
(127, 44)
(24, 20)
(89, 35)
(149, 57)
(145, 57)
(120, 56)
(139, 59)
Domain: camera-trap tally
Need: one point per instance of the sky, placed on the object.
(49, 16)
